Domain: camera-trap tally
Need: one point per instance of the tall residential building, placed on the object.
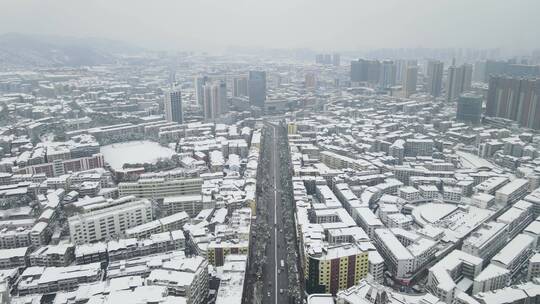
(411, 78)
(401, 67)
(336, 59)
(333, 59)
(327, 58)
(483, 70)
(336, 268)
(400, 70)
(218, 250)
(221, 96)
(388, 74)
(469, 108)
(365, 71)
(374, 71)
(207, 103)
(257, 88)
(199, 83)
(515, 99)
(311, 80)
(240, 86)
(323, 59)
(215, 100)
(172, 76)
(173, 106)
(434, 77)
(358, 70)
(493, 68)
(458, 81)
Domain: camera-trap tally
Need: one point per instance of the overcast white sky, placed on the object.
(318, 24)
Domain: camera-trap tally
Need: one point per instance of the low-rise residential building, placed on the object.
(123, 249)
(515, 254)
(512, 192)
(169, 223)
(409, 193)
(46, 280)
(487, 240)
(493, 277)
(533, 229)
(91, 253)
(452, 274)
(52, 256)
(185, 280)
(13, 257)
(108, 222)
(517, 217)
(376, 266)
(157, 188)
(191, 204)
(533, 269)
(491, 185)
(404, 251)
(366, 219)
(232, 277)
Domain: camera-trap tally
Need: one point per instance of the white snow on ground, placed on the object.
(140, 151)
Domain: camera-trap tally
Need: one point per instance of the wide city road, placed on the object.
(275, 271)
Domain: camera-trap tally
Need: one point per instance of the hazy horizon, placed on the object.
(320, 25)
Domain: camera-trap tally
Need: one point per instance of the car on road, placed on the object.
(269, 293)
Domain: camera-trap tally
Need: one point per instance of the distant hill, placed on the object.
(21, 50)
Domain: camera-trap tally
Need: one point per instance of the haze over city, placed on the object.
(211, 25)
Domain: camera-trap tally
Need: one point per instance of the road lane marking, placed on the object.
(275, 221)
